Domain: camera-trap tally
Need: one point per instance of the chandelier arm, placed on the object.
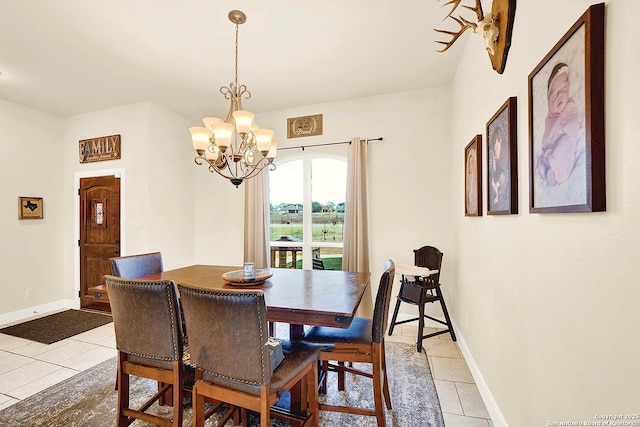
(259, 166)
(248, 171)
(199, 160)
(219, 172)
(242, 90)
(227, 92)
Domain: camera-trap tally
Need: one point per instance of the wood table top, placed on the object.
(295, 296)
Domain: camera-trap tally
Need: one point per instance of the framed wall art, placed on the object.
(298, 127)
(566, 121)
(473, 177)
(30, 208)
(502, 165)
(99, 149)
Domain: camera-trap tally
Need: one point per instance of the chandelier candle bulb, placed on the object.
(222, 133)
(200, 137)
(273, 150)
(263, 139)
(243, 119)
(210, 121)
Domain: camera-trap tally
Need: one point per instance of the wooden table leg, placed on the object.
(296, 333)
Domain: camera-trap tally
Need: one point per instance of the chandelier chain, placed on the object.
(236, 81)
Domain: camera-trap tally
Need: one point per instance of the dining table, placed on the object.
(294, 296)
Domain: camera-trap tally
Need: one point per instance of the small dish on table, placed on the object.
(238, 278)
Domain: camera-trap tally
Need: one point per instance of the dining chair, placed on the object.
(362, 342)
(150, 344)
(318, 264)
(228, 345)
(422, 290)
(134, 266)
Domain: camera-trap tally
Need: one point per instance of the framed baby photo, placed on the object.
(473, 177)
(502, 164)
(566, 121)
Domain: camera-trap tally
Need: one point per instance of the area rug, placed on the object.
(89, 398)
(58, 326)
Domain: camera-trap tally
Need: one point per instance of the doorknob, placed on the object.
(117, 252)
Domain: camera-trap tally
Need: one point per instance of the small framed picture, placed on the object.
(30, 208)
(502, 164)
(473, 177)
(566, 121)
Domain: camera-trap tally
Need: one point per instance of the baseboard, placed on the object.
(36, 311)
(492, 407)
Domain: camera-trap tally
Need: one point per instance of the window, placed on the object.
(307, 198)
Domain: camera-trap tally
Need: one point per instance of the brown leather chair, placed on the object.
(150, 344)
(362, 342)
(422, 290)
(234, 367)
(133, 266)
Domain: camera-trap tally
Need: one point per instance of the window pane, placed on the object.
(285, 195)
(286, 204)
(328, 193)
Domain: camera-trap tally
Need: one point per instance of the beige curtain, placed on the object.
(256, 220)
(356, 219)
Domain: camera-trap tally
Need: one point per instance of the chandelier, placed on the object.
(235, 148)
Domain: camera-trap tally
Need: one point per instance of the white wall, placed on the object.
(219, 219)
(171, 199)
(409, 188)
(157, 198)
(551, 300)
(30, 254)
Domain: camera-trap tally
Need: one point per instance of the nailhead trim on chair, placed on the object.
(260, 315)
(174, 338)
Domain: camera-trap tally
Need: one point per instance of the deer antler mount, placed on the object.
(495, 28)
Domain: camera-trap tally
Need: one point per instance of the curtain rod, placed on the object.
(328, 143)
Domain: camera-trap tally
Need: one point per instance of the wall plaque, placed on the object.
(304, 126)
(99, 149)
(30, 208)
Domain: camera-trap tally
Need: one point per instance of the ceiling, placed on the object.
(76, 56)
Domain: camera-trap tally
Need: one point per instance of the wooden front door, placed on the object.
(99, 234)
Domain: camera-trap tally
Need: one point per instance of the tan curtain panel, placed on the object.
(356, 219)
(256, 220)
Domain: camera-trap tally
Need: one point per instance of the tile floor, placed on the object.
(27, 367)
(461, 403)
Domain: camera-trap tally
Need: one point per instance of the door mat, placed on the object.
(58, 326)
